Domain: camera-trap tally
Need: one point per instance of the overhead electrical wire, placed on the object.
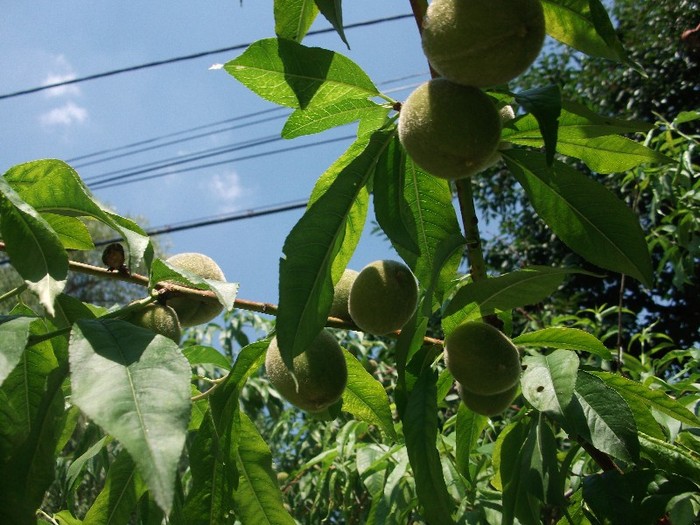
(185, 57)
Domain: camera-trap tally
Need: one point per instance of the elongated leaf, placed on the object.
(470, 425)
(75, 470)
(652, 398)
(320, 245)
(584, 214)
(34, 389)
(213, 452)
(163, 271)
(548, 381)
(258, 498)
(433, 225)
(293, 18)
(200, 354)
(290, 74)
(121, 492)
(420, 430)
(34, 248)
(14, 332)
(572, 22)
(365, 397)
(505, 292)
(135, 385)
(515, 453)
(600, 415)
(320, 118)
(671, 458)
(332, 10)
(564, 338)
(51, 185)
(391, 208)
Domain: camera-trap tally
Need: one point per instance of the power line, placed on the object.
(120, 180)
(184, 58)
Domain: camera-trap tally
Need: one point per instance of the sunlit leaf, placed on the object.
(548, 381)
(200, 355)
(505, 292)
(565, 338)
(51, 185)
(574, 23)
(318, 248)
(293, 18)
(365, 397)
(290, 74)
(470, 425)
(584, 214)
(14, 332)
(135, 385)
(317, 119)
(258, 498)
(652, 398)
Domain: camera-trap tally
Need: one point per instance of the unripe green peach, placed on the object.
(341, 294)
(449, 130)
(483, 42)
(320, 371)
(158, 318)
(383, 297)
(488, 405)
(482, 358)
(191, 310)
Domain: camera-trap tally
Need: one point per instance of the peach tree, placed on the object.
(167, 432)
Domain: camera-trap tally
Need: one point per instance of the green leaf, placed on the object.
(206, 355)
(365, 397)
(53, 186)
(433, 226)
(14, 332)
(420, 430)
(545, 105)
(72, 232)
(258, 498)
(515, 452)
(318, 248)
(164, 271)
(391, 208)
(575, 24)
(213, 450)
(293, 18)
(118, 498)
(548, 381)
(290, 74)
(135, 385)
(564, 338)
(505, 292)
(671, 458)
(332, 10)
(470, 425)
(34, 249)
(321, 118)
(75, 470)
(652, 398)
(584, 214)
(601, 416)
(34, 390)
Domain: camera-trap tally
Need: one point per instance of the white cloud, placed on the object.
(66, 115)
(60, 91)
(227, 189)
(60, 71)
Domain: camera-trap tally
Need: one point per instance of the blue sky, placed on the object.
(45, 41)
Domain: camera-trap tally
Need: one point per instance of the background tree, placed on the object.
(665, 198)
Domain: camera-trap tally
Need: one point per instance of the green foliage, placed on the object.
(102, 421)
